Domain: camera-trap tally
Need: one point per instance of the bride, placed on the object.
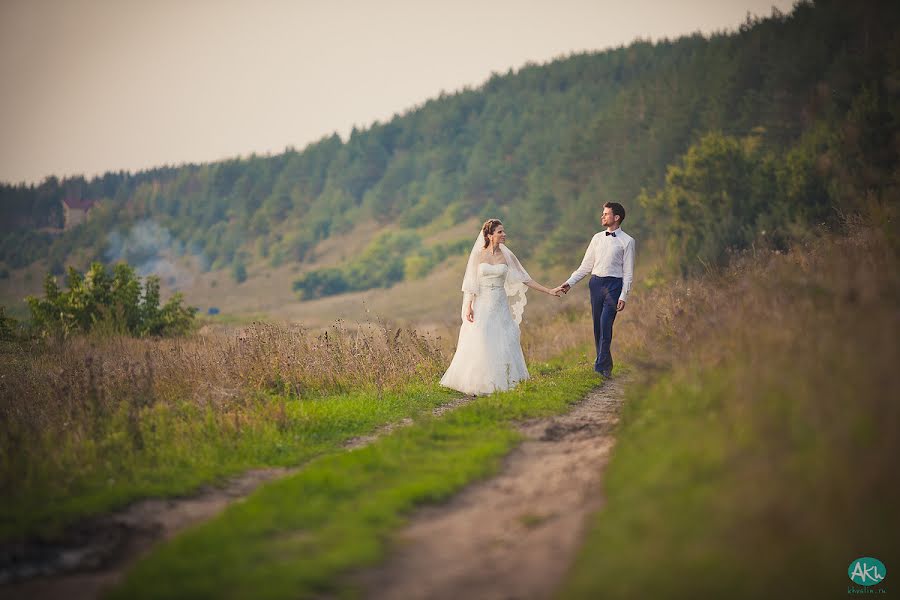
(488, 354)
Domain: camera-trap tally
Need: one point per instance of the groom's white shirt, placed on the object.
(608, 256)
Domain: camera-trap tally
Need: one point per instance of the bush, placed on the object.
(240, 272)
(114, 301)
(8, 326)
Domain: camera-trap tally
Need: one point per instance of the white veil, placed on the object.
(515, 280)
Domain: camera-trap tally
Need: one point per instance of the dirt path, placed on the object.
(95, 554)
(515, 535)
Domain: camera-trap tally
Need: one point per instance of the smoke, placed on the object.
(150, 249)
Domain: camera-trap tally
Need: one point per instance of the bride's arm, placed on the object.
(470, 312)
(536, 286)
(514, 264)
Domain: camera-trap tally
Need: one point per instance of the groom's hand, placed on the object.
(620, 306)
(564, 288)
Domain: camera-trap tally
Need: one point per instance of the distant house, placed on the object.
(75, 210)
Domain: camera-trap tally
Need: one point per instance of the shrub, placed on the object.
(8, 326)
(240, 272)
(116, 300)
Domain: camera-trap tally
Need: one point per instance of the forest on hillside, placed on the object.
(710, 141)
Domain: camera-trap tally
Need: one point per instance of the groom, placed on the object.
(610, 261)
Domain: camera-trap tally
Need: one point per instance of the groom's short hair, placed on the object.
(617, 209)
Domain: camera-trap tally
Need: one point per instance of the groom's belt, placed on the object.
(606, 276)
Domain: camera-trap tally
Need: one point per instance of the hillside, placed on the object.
(768, 128)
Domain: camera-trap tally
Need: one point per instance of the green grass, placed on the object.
(183, 447)
(707, 497)
(297, 536)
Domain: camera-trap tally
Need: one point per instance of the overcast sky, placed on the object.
(92, 86)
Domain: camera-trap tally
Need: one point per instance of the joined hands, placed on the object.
(564, 288)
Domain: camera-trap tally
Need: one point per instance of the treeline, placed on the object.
(391, 257)
(806, 101)
(24, 209)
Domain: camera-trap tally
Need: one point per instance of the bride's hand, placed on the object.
(470, 314)
(536, 286)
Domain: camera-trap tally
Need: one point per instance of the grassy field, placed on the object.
(296, 536)
(183, 447)
(764, 460)
(91, 423)
(94, 422)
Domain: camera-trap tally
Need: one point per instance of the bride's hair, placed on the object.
(489, 227)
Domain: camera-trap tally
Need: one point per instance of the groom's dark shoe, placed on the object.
(606, 373)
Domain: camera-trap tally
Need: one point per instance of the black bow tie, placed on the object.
(612, 233)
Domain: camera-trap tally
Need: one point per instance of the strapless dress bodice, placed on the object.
(492, 276)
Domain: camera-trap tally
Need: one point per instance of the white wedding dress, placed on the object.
(488, 354)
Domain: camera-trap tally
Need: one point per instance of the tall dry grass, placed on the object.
(70, 389)
(548, 335)
(829, 302)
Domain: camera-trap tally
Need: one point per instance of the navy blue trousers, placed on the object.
(604, 297)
